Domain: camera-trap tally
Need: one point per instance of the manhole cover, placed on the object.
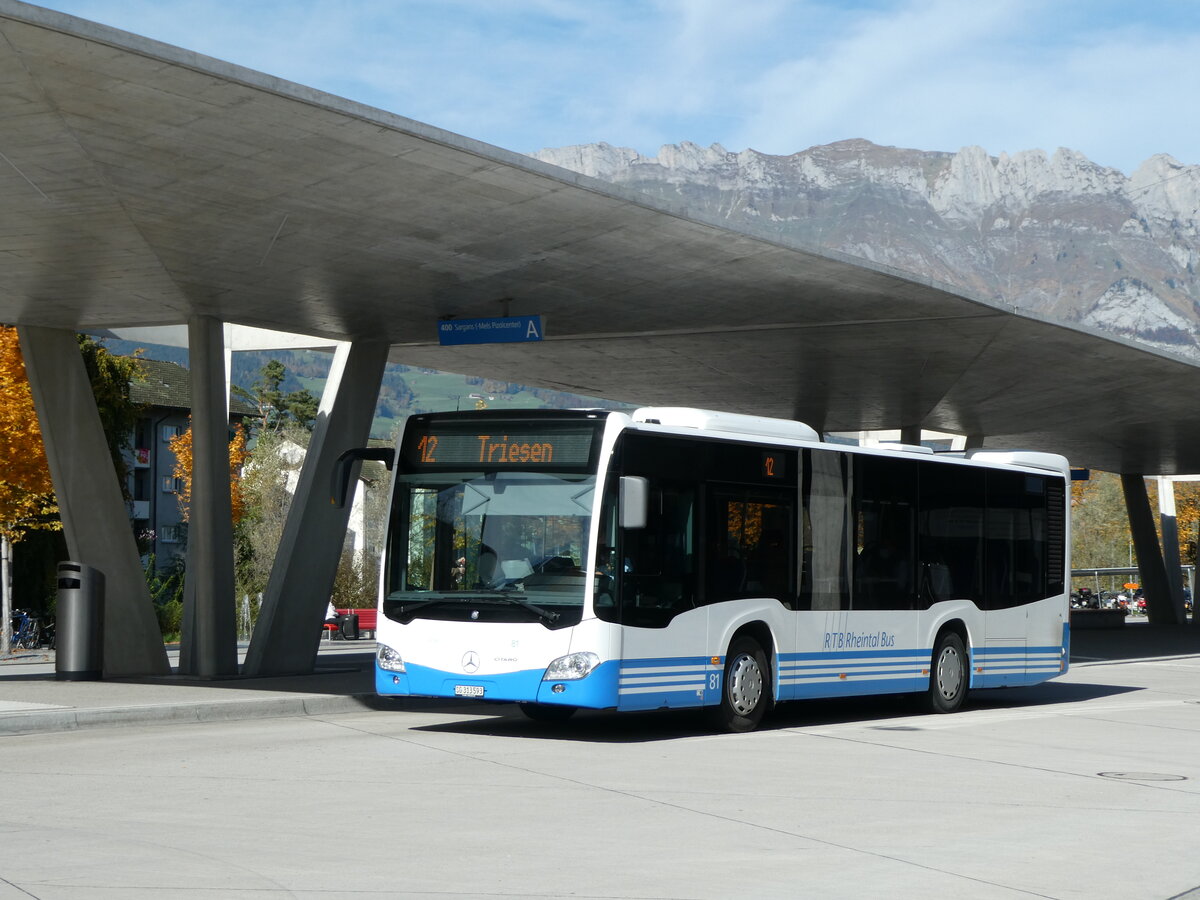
(1142, 776)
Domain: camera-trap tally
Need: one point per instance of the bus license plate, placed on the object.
(468, 690)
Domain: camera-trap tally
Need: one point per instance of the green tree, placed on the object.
(1100, 536)
(166, 590)
(276, 408)
(111, 377)
(267, 486)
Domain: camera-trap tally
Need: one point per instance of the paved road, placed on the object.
(1086, 787)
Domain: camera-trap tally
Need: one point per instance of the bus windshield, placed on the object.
(501, 546)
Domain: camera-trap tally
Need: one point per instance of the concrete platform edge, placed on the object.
(44, 721)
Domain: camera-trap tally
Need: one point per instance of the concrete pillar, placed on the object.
(95, 519)
(973, 442)
(1169, 527)
(911, 434)
(288, 632)
(1160, 605)
(208, 643)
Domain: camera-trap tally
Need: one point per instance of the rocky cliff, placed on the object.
(1057, 235)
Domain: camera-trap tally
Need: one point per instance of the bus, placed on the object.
(671, 558)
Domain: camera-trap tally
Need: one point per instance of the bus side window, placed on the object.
(611, 563)
(660, 582)
(827, 531)
(750, 548)
(1015, 540)
(950, 533)
(885, 505)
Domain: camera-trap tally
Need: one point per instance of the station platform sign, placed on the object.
(506, 330)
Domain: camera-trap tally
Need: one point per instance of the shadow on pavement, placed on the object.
(1137, 640)
(505, 720)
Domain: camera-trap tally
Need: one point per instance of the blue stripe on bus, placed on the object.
(854, 658)
(844, 664)
(990, 651)
(1010, 679)
(699, 662)
(859, 687)
(597, 691)
(669, 682)
(852, 673)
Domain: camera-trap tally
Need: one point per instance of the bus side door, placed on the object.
(664, 630)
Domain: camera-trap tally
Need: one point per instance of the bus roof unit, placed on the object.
(1034, 458)
(710, 420)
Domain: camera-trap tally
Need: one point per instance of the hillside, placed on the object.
(1055, 235)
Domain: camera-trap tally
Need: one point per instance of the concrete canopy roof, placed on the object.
(141, 184)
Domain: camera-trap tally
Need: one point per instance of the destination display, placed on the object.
(499, 445)
(507, 330)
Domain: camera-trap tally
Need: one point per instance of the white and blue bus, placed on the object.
(676, 557)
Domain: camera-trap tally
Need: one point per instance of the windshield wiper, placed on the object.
(408, 607)
(547, 616)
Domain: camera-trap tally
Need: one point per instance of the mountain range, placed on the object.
(1056, 235)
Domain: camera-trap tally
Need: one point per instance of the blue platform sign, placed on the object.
(508, 330)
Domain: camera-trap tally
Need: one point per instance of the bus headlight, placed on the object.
(571, 667)
(389, 659)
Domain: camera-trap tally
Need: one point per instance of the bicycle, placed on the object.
(26, 631)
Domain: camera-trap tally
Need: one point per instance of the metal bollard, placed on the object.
(79, 647)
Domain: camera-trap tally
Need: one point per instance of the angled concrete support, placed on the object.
(1161, 606)
(208, 644)
(287, 634)
(94, 516)
(1169, 527)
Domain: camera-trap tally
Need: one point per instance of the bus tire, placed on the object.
(551, 715)
(745, 691)
(949, 676)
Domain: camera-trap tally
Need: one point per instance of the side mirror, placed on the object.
(634, 501)
(344, 467)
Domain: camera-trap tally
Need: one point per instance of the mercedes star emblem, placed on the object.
(470, 661)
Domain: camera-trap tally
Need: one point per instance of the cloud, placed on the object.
(1004, 75)
(1110, 79)
(886, 76)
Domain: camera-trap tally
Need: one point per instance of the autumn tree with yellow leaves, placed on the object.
(181, 446)
(27, 502)
(26, 492)
(1187, 516)
(1100, 522)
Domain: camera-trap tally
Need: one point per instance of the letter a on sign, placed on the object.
(506, 330)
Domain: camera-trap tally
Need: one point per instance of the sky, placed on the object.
(1116, 80)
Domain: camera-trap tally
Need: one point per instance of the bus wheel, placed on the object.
(948, 678)
(744, 694)
(549, 714)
